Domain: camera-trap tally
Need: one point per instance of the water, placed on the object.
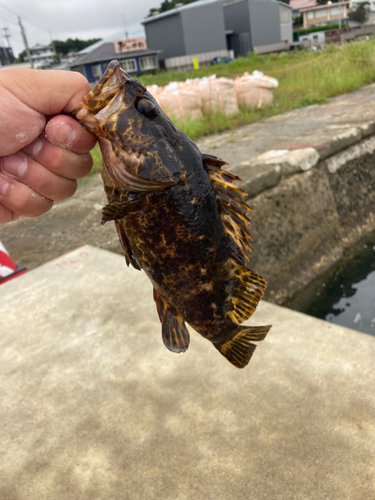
(345, 295)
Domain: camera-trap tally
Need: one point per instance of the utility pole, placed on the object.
(124, 24)
(7, 36)
(25, 42)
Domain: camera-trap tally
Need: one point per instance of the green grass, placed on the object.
(305, 77)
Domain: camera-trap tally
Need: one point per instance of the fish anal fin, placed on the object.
(125, 245)
(247, 290)
(239, 349)
(175, 335)
(233, 209)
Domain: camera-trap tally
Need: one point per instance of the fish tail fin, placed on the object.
(239, 349)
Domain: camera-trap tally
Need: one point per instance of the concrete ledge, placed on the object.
(92, 406)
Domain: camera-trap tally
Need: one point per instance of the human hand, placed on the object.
(41, 157)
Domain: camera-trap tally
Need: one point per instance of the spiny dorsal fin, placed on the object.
(175, 335)
(232, 208)
(239, 349)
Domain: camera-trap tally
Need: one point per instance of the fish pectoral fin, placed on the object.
(239, 349)
(129, 257)
(114, 211)
(175, 335)
(248, 289)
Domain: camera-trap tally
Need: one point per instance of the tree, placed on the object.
(22, 57)
(359, 14)
(168, 5)
(72, 45)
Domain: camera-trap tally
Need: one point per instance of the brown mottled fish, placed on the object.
(179, 217)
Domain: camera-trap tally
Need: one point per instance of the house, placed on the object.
(300, 4)
(195, 30)
(132, 54)
(42, 56)
(324, 14)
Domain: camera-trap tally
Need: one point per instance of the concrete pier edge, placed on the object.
(93, 407)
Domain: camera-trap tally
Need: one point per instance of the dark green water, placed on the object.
(346, 294)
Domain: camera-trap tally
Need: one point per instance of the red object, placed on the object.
(8, 268)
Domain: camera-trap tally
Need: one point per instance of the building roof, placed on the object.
(302, 4)
(39, 46)
(325, 6)
(285, 4)
(106, 52)
(176, 10)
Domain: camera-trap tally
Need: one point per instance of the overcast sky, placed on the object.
(46, 20)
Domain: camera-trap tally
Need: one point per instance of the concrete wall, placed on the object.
(166, 34)
(203, 28)
(314, 207)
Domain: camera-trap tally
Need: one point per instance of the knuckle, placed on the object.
(67, 190)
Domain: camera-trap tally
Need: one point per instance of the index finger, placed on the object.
(49, 92)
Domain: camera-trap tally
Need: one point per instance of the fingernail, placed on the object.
(34, 148)
(64, 135)
(4, 185)
(15, 165)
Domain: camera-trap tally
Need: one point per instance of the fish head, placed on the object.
(141, 147)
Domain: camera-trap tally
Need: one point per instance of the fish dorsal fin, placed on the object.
(175, 335)
(247, 290)
(233, 209)
(247, 286)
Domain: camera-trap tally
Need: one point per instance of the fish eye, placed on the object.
(146, 108)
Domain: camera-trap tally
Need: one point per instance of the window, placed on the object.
(148, 62)
(310, 15)
(129, 65)
(96, 70)
(321, 13)
(336, 11)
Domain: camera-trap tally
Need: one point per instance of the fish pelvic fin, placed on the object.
(175, 335)
(239, 349)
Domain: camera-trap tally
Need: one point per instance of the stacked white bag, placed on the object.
(193, 98)
(254, 90)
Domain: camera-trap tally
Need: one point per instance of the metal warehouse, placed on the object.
(209, 28)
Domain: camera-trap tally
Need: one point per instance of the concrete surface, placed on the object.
(92, 405)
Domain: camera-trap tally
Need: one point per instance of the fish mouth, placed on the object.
(104, 92)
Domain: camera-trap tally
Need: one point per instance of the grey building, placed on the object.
(251, 24)
(191, 29)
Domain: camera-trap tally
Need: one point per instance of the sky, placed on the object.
(46, 20)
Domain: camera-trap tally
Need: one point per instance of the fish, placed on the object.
(179, 216)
